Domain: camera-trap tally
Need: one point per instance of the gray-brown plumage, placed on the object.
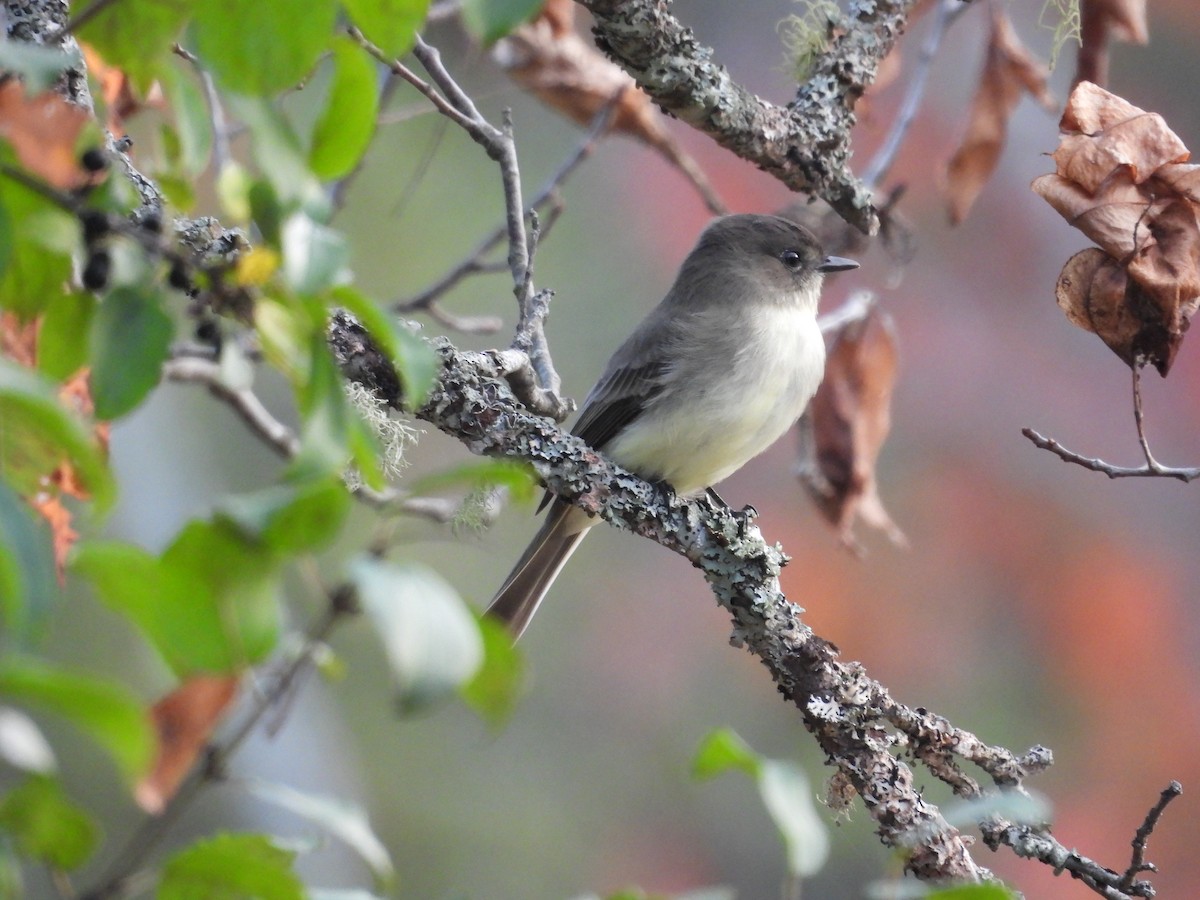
(711, 377)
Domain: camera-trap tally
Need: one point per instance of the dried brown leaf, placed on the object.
(847, 424)
(1097, 294)
(1009, 72)
(185, 720)
(1122, 180)
(62, 533)
(43, 130)
(1142, 144)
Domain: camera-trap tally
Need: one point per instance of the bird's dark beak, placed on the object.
(836, 264)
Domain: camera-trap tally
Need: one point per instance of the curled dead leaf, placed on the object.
(185, 719)
(43, 130)
(1122, 180)
(846, 425)
(1009, 72)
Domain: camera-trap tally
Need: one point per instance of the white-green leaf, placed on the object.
(22, 743)
(429, 635)
(346, 822)
(313, 255)
(790, 800)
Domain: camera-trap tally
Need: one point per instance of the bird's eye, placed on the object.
(791, 259)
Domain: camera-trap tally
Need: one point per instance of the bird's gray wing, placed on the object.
(618, 399)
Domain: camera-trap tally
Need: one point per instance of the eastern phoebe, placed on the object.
(719, 369)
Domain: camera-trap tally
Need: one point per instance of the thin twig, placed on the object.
(1098, 465)
(243, 401)
(85, 16)
(453, 102)
(945, 15)
(1138, 864)
(1139, 420)
(1152, 469)
(475, 263)
(152, 831)
(222, 153)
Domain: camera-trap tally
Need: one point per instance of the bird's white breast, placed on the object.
(714, 417)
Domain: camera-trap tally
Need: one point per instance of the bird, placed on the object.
(719, 370)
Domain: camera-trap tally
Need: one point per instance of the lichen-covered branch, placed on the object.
(854, 718)
(805, 144)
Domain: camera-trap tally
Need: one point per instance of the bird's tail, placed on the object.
(523, 590)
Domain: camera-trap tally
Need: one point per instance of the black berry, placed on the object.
(95, 225)
(208, 332)
(94, 159)
(152, 221)
(96, 271)
(178, 277)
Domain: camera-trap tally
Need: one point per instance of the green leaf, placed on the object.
(415, 361)
(722, 751)
(290, 518)
(231, 867)
(262, 47)
(27, 586)
(38, 66)
(46, 825)
(986, 891)
(106, 712)
(189, 632)
(490, 20)
(266, 213)
(347, 123)
(130, 341)
(63, 336)
(279, 155)
(346, 822)
(36, 268)
(37, 434)
(136, 35)
(6, 225)
(193, 121)
(314, 255)
(333, 433)
(494, 690)
(243, 578)
(791, 803)
(391, 25)
(429, 635)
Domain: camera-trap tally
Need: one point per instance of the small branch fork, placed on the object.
(806, 144)
(453, 102)
(476, 262)
(118, 879)
(1152, 467)
(854, 718)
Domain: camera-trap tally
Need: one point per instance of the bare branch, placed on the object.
(1112, 471)
(806, 144)
(475, 262)
(453, 102)
(946, 14)
(1152, 469)
(1138, 864)
(854, 718)
(243, 401)
(118, 877)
